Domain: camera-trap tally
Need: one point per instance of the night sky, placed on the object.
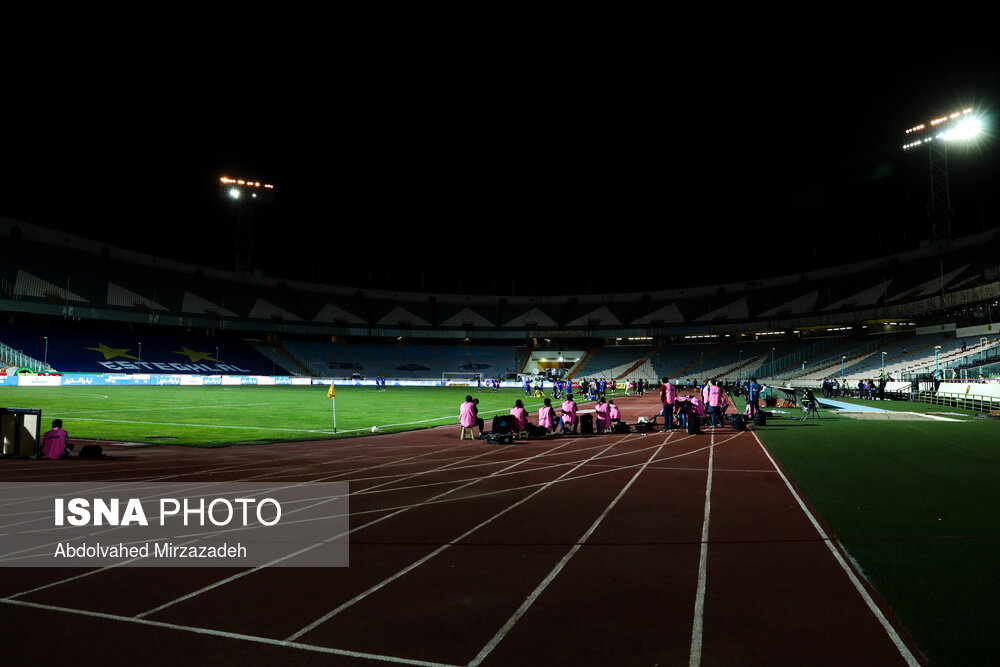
(541, 170)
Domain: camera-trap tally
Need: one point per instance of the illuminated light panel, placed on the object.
(244, 183)
(967, 126)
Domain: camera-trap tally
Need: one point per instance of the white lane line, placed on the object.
(897, 641)
(698, 627)
(421, 561)
(258, 568)
(229, 635)
(503, 631)
(113, 484)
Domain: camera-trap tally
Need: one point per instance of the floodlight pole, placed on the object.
(245, 194)
(936, 135)
(940, 206)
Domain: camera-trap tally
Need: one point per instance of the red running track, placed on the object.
(664, 549)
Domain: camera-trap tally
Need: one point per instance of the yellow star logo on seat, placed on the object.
(112, 352)
(194, 356)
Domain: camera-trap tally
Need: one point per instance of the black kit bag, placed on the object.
(620, 427)
(503, 424)
(91, 452)
(499, 438)
(760, 418)
(536, 431)
(739, 422)
(694, 422)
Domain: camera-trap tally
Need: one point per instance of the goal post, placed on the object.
(459, 378)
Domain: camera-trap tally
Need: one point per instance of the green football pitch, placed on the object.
(912, 498)
(220, 416)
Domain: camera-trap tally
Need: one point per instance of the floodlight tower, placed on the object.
(245, 194)
(937, 136)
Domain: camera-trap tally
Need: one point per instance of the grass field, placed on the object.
(219, 416)
(914, 501)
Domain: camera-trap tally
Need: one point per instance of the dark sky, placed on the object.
(566, 170)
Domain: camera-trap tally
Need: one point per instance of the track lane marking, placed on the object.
(505, 629)
(698, 624)
(897, 641)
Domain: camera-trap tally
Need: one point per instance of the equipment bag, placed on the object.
(91, 452)
(644, 427)
(620, 427)
(503, 424)
(693, 423)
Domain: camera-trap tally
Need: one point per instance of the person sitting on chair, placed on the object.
(520, 416)
(568, 415)
(809, 399)
(547, 416)
(468, 416)
(55, 444)
(601, 416)
(614, 414)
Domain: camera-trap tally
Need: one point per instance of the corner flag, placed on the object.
(332, 396)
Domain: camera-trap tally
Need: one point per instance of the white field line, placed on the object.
(322, 619)
(698, 626)
(229, 635)
(897, 641)
(251, 638)
(335, 537)
(112, 485)
(505, 629)
(161, 408)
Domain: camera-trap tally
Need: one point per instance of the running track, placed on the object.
(665, 549)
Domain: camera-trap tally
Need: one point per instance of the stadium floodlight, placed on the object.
(938, 135)
(245, 193)
(236, 188)
(956, 126)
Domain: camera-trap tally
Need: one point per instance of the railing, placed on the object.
(980, 363)
(853, 355)
(12, 357)
(985, 404)
(771, 367)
